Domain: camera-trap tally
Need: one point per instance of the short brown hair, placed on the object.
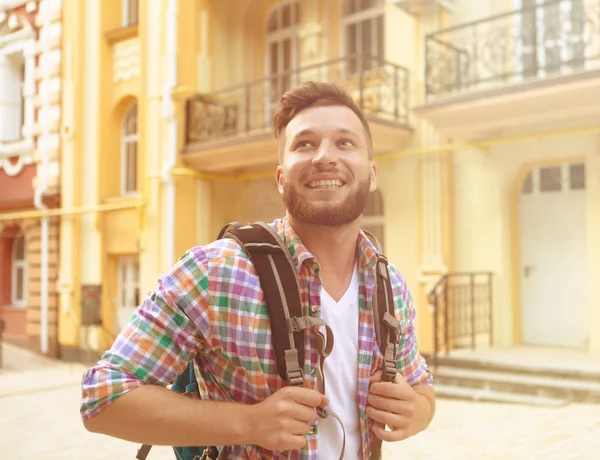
(315, 94)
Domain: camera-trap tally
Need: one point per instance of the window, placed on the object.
(374, 216)
(129, 151)
(565, 178)
(19, 272)
(552, 36)
(550, 179)
(577, 176)
(130, 12)
(528, 184)
(12, 101)
(282, 48)
(128, 271)
(363, 30)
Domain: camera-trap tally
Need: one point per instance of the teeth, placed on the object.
(326, 184)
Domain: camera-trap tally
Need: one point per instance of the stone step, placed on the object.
(486, 395)
(568, 389)
(531, 368)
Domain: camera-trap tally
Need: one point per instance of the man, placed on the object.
(210, 307)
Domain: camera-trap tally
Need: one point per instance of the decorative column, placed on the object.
(434, 194)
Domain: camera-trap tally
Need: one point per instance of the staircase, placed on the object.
(462, 305)
(539, 386)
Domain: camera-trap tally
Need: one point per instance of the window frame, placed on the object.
(129, 19)
(18, 264)
(278, 36)
(129, 139)
(372, 15)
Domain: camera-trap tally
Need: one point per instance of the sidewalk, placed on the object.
(39, 403)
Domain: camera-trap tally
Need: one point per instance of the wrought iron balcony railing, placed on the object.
(547, 39)
(380, 90)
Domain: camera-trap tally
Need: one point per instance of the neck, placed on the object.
(333, 247)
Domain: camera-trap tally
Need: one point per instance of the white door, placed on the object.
(128, 285)
(553, 261)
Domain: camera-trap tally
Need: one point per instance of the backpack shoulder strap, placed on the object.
(387, 326)
(279, 282)
(387, 330)
(373, 240)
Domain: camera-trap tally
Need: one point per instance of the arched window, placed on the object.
(19, 272)
(282, 47)
(129, 151)
(362, 25)
(374, 217)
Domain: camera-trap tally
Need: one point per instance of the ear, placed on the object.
(280, 179)
(373, 177)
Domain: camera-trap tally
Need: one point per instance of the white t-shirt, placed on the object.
(341, 376)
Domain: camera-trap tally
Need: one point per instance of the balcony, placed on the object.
(512, 70)
(229, 130)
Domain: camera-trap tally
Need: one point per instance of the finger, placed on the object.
(386, 418)
(392, 390)
(298, 428)
(396, 406)
(310, 398)
(390, 436)
(304, 413)
(295, 442)
(376, 377)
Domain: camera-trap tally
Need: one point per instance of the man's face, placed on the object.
(325, 175)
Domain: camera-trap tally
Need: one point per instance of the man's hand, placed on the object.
(282, 421)
(397, 405)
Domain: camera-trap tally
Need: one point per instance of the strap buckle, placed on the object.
(390, 364)
(292, 368)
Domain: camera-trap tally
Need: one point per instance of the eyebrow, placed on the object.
(309, 132)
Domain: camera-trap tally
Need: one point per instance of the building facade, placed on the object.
(485, 129)
(30, 115)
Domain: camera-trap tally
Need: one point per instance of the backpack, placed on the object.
(278, 278)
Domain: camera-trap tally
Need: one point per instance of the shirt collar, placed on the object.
(366, 251)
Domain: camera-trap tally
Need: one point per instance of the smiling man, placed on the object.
(325, 175)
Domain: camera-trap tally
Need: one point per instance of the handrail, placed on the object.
(380, 89)
(462, 309)
(513, 47)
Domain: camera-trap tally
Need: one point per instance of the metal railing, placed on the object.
(379, 88)
(551, 38)
(463, 311)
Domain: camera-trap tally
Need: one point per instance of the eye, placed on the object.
(346, 143)
(303, 145)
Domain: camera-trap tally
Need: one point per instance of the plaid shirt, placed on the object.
(210, 308)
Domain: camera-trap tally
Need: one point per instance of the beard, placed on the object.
(327, 214)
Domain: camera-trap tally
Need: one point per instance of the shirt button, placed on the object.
(315, 309)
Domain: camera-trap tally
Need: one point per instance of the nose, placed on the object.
(325, 155)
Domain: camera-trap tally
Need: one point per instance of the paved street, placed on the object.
(39, 402)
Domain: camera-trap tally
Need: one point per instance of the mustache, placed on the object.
(315, 171)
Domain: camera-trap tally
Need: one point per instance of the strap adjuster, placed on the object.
(390, 364)
(292, 368)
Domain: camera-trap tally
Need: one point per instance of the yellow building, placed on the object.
(485, 133)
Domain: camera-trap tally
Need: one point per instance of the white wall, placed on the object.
(482, 235)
